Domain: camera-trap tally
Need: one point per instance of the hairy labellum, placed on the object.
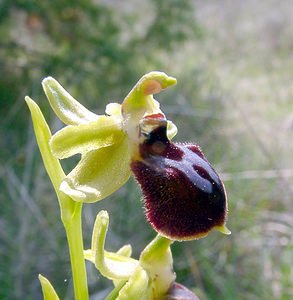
(183, 195)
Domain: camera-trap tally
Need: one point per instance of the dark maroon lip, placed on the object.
(184, 197)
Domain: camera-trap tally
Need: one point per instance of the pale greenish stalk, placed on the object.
(75, 242)
(70, 210)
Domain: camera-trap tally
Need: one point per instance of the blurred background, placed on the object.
(234, 65)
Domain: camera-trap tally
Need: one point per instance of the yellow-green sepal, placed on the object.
(68, 109)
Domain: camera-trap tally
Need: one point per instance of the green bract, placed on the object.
(106, 142)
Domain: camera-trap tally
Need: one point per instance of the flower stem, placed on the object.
(75, 242)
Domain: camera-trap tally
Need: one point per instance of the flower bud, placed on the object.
(184, 197)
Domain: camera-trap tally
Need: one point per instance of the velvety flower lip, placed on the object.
(105, 142)
(184, 197)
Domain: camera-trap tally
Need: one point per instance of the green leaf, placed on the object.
(48, 291)
(99, 173)
(68, 110)
(83, 138)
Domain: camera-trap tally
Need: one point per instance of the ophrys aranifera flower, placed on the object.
(183, 195)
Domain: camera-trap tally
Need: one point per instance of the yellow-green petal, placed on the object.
(68, 110)
(86, 137)
(48, 291)
(99, 173)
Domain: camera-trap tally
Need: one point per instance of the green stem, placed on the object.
(75, 242)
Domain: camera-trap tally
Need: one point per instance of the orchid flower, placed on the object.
(106, 142)
(184, 196)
